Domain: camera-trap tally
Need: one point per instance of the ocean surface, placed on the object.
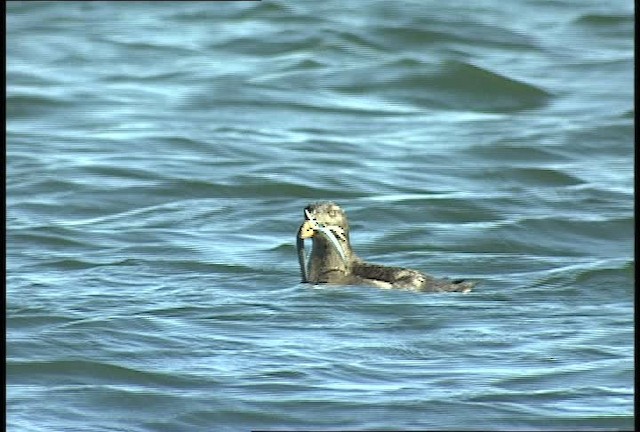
(160, 155)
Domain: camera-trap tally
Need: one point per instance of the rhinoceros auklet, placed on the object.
(333, 261)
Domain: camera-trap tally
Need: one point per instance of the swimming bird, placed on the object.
(333, 261)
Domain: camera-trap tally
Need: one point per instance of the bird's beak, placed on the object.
(307, 229)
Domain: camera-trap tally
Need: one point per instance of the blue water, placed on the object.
(160, 155)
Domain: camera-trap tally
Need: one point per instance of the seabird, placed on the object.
(333, 261)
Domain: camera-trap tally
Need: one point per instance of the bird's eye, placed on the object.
(333, 213)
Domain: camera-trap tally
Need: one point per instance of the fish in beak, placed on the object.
(309, 228)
